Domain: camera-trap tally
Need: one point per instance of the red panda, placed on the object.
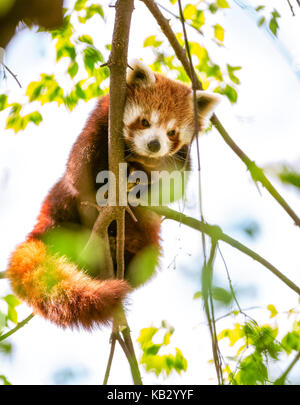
(158, 128)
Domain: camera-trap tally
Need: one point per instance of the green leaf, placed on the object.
(273, 24)
(146, 335)
(291, 341)
(12, 302)
(152, 41)
(273, 310)
(189, 11)
(79, 5)
(222, 4)
(143, 266)
(290, 176)
(252, 371)
(219, 32)
(180, 363)
(229, 92)
(261, 21)
(5, 380)
(231, 70)
(259, 8)
(3, 101)
(2, 321)
(90, 12)
(65, 48)
(73, 69)
(6, 348)
(213, 8)
(91, 56)
(86, 39)
(35, 117)
(233, 334)
(197, 295)
(220, 294)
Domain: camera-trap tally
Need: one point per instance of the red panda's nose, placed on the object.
(154, 145)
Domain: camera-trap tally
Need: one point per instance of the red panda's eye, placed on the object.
(171, 133)
(145, 123)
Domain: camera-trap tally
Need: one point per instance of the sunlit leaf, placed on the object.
(152, 41)
(5, 380)
(142, 267)
(222, 4)
(273, 310)
(231, 70)
(219, 32)
(3, 101)
(73, 69)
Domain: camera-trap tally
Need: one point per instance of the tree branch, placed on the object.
(111, 355)
(19, 326)
(291, 7)
(256, 173)
(207, 275)
(117, 64)
(281, 379)
(216, 233)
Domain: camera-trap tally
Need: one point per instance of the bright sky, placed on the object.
(265, 123)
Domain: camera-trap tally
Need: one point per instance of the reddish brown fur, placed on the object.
(171, 98)
(73, 298)
(53, 285)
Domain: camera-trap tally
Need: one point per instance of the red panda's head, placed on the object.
(159, 113)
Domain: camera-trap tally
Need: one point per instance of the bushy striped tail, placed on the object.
(58, 291)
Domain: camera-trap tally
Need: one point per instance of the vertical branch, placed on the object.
(207, 275)
(117, 64)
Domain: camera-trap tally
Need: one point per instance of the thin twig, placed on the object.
(282, 378)
(176, 16)
(256, 173)
(111, 355)
(207, 275)
(132, 357)
(19, 326)
(13, 75)
(216, 232)
(291, 7)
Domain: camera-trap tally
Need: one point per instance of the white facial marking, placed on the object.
(154, 118)
(131, 113)
(143, 137)
(171, 125)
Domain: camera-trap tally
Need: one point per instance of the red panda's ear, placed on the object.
(206, 102)
(139, 74)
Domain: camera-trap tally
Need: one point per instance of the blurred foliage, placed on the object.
(10, 315)
(84, 71)
(268, 18)
(69, 375)
(4, 380)
(72, 243)
(218, 78)
(153, 361)
(259, 347)
(142, 267)
(290, 176)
